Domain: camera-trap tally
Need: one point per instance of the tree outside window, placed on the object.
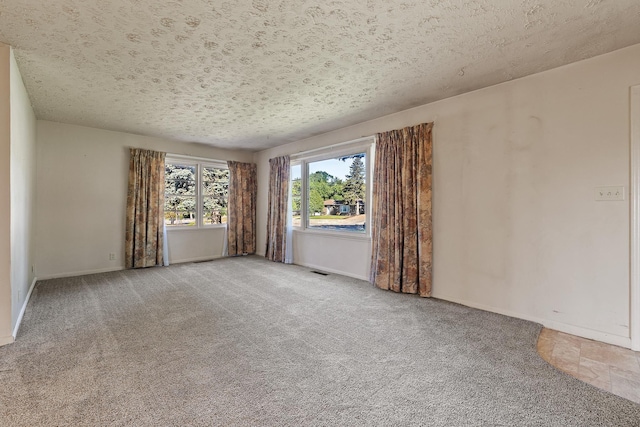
(196, 194)
(335, 193)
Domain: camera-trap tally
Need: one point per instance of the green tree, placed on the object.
(354, 185)
(337, 188)
(296, 194)
(319, 190)
(316, 202)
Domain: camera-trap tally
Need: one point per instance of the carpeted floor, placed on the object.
(244, 341)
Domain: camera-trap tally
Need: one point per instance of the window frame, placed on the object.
(199, 163)
(363, 145)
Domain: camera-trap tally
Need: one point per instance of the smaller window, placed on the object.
(196, 193)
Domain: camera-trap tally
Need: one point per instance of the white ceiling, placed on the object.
(256, 74)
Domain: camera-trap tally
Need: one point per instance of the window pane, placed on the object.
(296, 193)
(180, 210)
(214, 211)
(180, 179)
(179, 198)
(337, 194)
(215, 193)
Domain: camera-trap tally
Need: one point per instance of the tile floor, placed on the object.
(608, 367)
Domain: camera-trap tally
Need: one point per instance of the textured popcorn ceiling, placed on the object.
(254, 74)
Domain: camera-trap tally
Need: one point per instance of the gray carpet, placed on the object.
(245, 341)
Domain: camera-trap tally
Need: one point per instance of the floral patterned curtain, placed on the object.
(145, 209)
(402, 231)
(241, 211)
(279, 171)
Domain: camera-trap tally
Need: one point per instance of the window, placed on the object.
(296, 193)
(196, 193)
(330, 192)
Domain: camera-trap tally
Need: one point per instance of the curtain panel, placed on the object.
(402, 253)
(241, 210)
(144, 232)
(279, 171)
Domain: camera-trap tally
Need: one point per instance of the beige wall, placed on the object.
(516, 227)
(23, 193)
(5, 195)
(82, 184)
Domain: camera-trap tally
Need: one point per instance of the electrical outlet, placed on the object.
(112, 256)
(607, 194)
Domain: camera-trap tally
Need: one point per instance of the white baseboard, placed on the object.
(197, 259)
(24, 308)
(119, 268)
(550, 324)
(80, 273)
(331, 270)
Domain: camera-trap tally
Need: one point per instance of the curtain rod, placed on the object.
(330, 148)
(185, 156)
(188, 157)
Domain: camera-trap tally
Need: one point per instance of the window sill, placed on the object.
(209, 227)
(345, 235)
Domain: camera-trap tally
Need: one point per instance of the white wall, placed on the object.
(516, 227)
(82, 185)
(5, 195)
(343, 254)
(195, 245)
(23, 192)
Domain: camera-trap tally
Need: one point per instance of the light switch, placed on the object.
(607, 194)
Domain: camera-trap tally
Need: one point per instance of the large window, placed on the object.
(196, 193)
(330, 192)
